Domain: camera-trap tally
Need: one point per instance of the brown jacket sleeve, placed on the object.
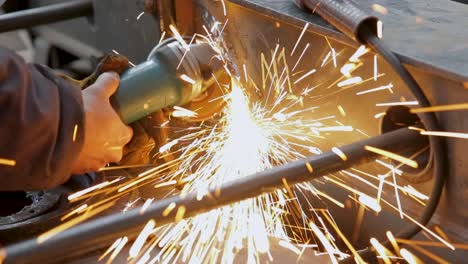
(39, 114)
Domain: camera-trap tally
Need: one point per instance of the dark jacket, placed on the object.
(38, 116)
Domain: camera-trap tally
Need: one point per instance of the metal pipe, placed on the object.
(45, 15)
(343, 15)
(103, 231)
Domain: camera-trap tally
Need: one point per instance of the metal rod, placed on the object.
(103, 231)
(45, 15)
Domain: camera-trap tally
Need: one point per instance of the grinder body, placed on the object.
(157, 84)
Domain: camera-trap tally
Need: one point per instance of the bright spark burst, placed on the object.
(252, 136)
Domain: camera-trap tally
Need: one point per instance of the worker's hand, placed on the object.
(105, 133)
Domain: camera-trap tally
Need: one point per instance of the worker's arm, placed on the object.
(48, 127)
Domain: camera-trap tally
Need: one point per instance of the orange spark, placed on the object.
(392, 156)
(440, 108)
(7, 162)
(75, 132)
(381, 250)
(340, 153)
(445, 134)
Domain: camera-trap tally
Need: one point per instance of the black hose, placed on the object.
(45, 15)
(361, 27)
(430, 122)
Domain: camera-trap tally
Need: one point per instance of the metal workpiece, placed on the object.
(158, 83)
(343, 15)
(94, 234)
(44, 15)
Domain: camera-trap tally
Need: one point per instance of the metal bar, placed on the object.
(45, 15)
(103, 231)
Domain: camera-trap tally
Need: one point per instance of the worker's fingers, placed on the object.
(115, 149)
(128, 135)
(107, 84)
(115, 154)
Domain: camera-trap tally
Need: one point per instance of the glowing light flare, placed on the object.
(257, 226)
(335, 64)
(246, 76)
(300, 38)
(75, 132)
(409, 189)
(380, 88)
(376, 68)
(379, 115)
(145, 206)
(440, 108)
(169, 209)
(224, 7)
(163, 35)
(381, 250)
(379, 29)
(141, 239)
(140, 15)
(165, 184)
(301, 56)
(393, 241)
(390, 167)
(182, 112)
(288, 245)
(75, 211)
(336, 128)
(398, 103)
(178, 37)
(445, 134)
(348, 68)
(76, 195)
(392, 156)
(325, 59)
(359, 53)
(323, 239)
(370, 202)
(168, 146)
(7, 162)
(309, 167)
(117, 250)
(305, 76)
(188, 79)
(215, 26)
(340, 153)
(350, 81)
(409, 257)
(180, 213)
